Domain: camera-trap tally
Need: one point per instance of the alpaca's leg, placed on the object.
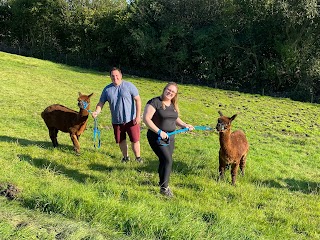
(56, 136)
(234, 170)
(243, 164)
(222, 168)
(53, 133)
(76, 145)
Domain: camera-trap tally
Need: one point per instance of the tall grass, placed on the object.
(95, 196)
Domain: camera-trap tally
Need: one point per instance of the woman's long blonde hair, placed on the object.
(174, 100)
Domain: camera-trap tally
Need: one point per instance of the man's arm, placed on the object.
(98, 109)
(138, 109)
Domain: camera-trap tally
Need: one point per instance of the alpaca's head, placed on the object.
(224, 123)
(84, 101)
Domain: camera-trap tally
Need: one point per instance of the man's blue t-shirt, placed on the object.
(121, 102)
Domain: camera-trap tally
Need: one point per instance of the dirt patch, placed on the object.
(8, 190)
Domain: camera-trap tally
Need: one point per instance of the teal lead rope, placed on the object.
(96, 134)
(96, 131)
(166, 142)
(204, 128)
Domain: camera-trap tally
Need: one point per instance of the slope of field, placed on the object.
(95, 196)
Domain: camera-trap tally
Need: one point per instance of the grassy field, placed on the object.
(95, 196)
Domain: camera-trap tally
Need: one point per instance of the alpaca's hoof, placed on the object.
(77, 152)
(220, 179)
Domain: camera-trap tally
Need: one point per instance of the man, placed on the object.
(125, 106)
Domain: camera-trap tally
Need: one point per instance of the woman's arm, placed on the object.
(182, 124)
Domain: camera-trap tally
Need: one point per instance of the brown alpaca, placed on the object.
(234, 147)
(58, 117)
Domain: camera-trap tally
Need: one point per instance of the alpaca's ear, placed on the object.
(233, 117)
(89, 96)
(220, 113)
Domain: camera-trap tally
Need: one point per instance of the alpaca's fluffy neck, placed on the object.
(84, 112)
(225, 139)
(82, 116)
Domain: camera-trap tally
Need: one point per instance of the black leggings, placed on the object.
(164, 154)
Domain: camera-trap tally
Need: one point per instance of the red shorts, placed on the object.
(120, 131)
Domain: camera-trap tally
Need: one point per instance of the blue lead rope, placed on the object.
(166, 142)
(96, 134)
(96, 131)
(187, 129)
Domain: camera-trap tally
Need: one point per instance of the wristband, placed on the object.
(159, 132)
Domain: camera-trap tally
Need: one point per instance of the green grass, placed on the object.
(95, 196)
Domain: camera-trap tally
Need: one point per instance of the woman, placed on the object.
(161, 115)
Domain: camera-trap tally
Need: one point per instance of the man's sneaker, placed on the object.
(139, 159)
(166, 192)
(125, 159)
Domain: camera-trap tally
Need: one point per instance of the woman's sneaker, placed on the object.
(166, 192)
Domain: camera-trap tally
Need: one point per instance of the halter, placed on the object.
(85, 105)
(166, 142)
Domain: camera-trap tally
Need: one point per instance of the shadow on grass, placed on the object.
(41, 144)
(42, 163)
(294, 185)
(26, 142)
(149, 166)
(177, 166)
(104, 168)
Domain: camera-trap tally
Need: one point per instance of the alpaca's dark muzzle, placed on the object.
(83, 104)
(220, 127)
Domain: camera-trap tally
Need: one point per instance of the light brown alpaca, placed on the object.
(234, 147)
(58, 117)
